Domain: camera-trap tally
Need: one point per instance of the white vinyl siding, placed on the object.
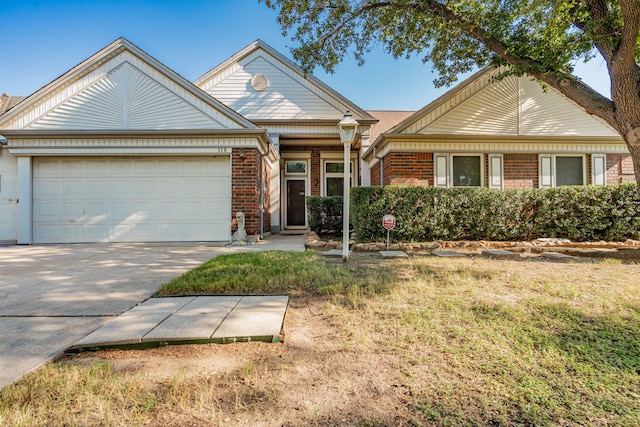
(131, 199)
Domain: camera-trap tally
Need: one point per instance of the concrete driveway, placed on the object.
(51, 296)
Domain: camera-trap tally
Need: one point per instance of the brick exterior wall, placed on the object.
(245, 190)
(520, 170)
(619, 168)
(375, 174)
(408, 169)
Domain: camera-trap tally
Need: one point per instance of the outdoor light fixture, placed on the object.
(347, 128)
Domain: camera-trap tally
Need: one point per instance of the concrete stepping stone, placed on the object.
(557, 255)
(448, 254)
(254, 316)
(123, 329)
(393, 254)
(500, 254)
(196, 320)
(334, 253)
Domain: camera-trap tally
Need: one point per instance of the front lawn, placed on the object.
(423, 341)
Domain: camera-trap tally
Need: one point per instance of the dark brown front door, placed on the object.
(295, 202)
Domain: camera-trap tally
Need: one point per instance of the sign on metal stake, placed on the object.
(389, 223)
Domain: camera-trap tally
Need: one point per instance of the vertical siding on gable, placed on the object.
(550, 113)
(284, 99)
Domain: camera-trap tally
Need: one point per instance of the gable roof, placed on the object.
(285, 94)
(512, 106)
(121, 87)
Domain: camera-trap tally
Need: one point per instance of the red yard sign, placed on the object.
(388, 222)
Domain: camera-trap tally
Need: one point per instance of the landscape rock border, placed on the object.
(313, 241)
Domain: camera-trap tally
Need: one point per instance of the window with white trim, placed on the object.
(558, 170)
(296, 167)
(333, 171)
(458, 170)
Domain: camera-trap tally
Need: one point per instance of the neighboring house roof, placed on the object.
(122, 88)
(488, 106)
(265, 86)
(387, 120)
(7, 102)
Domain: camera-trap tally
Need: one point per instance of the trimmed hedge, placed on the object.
(424, 214)
(325, 214)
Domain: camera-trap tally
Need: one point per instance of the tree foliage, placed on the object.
(542, 38)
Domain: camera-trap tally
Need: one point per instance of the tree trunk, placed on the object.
(635, 157)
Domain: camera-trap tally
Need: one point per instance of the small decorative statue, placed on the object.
(240, 234)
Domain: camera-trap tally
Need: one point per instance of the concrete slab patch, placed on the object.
(159, 305)
(271, 303)
(334, 253)
(449, 254)
(210, 304)
(393, 254)
(186, 326)
(123, 329)
(557, 255)
(242, 324)
(500, 254)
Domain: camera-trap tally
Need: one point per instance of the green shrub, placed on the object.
(424, 214)
(325, 214)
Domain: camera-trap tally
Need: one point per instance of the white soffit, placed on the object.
(510, 106)
(122, 88)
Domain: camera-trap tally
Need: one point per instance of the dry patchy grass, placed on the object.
(466, 342)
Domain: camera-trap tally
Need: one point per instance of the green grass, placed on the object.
(277, 272)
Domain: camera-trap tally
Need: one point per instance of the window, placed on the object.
(467, 171)
(298, 167)
(334, 178)
(569, 171)
(459, 170)
(559, 170)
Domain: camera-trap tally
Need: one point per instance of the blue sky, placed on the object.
(43, 39)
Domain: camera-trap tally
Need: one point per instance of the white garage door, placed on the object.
(131, 199)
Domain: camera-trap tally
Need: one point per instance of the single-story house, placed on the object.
(121, 148)
(499, 132)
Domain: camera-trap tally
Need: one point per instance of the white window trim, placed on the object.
(598, 178)
(543, 158)
(336, 157)
(496, 171)
(482, 168)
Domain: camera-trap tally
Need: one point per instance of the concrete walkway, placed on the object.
(53, 296)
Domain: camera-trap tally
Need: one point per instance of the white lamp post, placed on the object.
(347, 128)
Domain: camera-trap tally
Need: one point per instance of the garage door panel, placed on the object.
(131, 199)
